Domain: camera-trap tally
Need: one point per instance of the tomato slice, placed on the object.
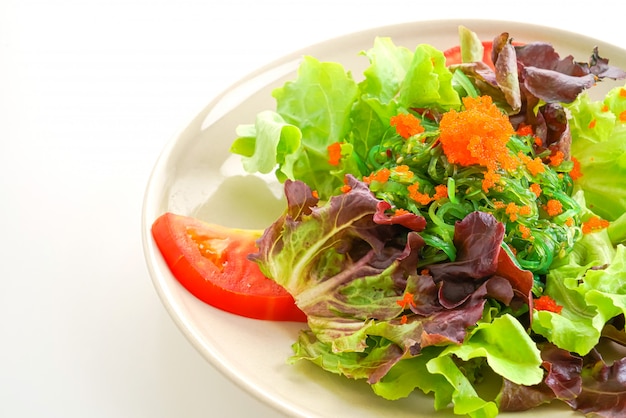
(211, 262)
(453, 55)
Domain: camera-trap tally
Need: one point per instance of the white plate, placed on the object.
(196, 175)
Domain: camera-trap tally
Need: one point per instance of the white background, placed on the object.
(90, 92)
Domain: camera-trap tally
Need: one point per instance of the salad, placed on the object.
(453, 224)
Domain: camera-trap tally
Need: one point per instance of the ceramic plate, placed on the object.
(196, 175)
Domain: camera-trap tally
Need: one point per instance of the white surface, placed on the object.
(90, 93)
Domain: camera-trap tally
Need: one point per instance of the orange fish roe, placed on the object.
(345, 188)
(524, 130)
(553, 207)
(546, 303)
(592, 124)
(534, 166)
(622, 92)
(406, 125)
(406, 301)
(569, 221)
(525, 231)
(477, 135)
(594, 224)
(556, 158)
(419, 197)
(605, 108)
(403, 319)
(399, 212)
(527, 130)
(622, 116)
(512, 210)
(490, 180)
(315, 194)
(575, 173)
(525, 210)
(441, 192)
(404, 171)
(381, 176)
(536, 189)
(334, 153)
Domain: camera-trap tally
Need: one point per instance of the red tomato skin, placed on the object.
(240, 287)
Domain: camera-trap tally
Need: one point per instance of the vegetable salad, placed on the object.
(451, 222)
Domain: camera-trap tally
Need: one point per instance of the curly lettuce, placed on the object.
(417, 272)
(324, 105)
(351, 266)
(600, 147)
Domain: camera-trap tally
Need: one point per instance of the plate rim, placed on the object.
(152, 256)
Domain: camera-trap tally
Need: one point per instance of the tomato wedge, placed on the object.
(453, 55)
(211, 262)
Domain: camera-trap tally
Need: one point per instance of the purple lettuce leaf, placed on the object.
(525, 75)
(552, 126)
(562, 381)
(449, 325)
(506, 71)
(478, 240)
(587, 384)
(343, 268)
(314, 250)
(603, 391)
(409, 220)
(563, 368)
(544, 75)
(516, 398)
(353, 269)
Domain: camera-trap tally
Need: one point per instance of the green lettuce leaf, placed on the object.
(280, 140)
(324, 105)
(472, 49)
(351, 364)
(605, 288)
(312, 112)
(389, 65)
(466, 400)
(508, 348)
(599, 144)
(591, 288)
(412, 373)
(428, 82)
(617, 230)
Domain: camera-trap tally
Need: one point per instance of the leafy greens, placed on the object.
(449, 222)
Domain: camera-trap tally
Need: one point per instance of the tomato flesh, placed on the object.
(210, 261)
